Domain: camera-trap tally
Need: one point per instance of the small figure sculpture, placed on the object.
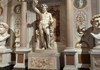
(45, 30)
(96, 29)
(3, 34)
(17, 40)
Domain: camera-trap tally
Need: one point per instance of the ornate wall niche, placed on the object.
(79, 4)
(17, 9)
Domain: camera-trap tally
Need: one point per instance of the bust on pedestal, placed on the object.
(45, 55)
(3, 34)
(95, 52)
(4, 51)
(96, 31)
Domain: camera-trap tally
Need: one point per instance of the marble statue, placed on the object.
(45, 31)
(96, 29)
(3, 34)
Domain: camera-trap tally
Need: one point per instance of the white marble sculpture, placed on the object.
(3, 34)
(45, 31)
(96, 30)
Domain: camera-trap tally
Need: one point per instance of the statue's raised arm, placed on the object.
(35, 3)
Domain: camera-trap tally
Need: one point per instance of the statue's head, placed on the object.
(44, 7)
(96, 21)
(3, 27)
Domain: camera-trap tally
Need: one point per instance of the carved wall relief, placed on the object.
(81, 20)
(42, 62)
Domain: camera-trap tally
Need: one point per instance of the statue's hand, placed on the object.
(35, 2)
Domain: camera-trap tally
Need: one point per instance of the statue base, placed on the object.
(95, 59)
(43, 60)
(5, 58)
(21, 57)
(70, 59)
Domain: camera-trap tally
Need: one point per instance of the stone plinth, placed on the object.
(21, 56)
(95, 59)
(5, 57)
(70, 59)
(43, 60)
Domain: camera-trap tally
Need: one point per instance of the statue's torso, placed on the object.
(45, 20)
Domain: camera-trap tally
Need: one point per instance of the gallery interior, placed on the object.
(49, 34)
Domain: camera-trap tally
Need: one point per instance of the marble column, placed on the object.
(22, 51)
(23, 25)
(69, 52)
(69, 23)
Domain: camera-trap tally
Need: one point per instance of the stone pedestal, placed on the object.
(95, 59)
(21, 56)
(44, 60)
(5, 58)
(70, 59)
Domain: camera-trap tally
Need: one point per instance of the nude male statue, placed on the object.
(44, 25)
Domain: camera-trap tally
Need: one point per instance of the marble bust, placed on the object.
(96, 29)
(3, 34)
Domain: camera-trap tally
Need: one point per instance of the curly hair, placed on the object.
(5, 25)
(94, 17)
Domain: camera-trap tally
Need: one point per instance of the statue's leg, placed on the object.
(47, 31)
(41, 36)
